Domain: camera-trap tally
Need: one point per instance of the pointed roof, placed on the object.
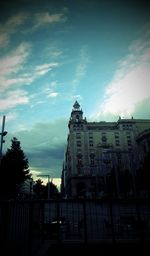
(76, 105)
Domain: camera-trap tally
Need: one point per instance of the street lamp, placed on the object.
(2, 134)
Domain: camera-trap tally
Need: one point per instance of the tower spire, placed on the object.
(76, 105)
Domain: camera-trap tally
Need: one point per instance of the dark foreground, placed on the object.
(99, 249)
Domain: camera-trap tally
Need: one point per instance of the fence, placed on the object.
(25, 225)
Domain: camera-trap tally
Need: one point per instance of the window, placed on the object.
(78, 143)
(78, 135)
(91, 144)
(92, 162)
(104, 139)
(117, 143)
(129, 143)
(127, 126)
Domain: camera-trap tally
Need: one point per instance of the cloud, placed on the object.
(44, 18)
(13, 98)
(130, 85)
(81, 67)
(13, 24)
(142, 109)
(15, 62)
(44, 68)
(4, 39)
(10, 27)
(11, 64)
(52, 94)
(10, 117)
(14, 73)
(43, 145)
(24, 78)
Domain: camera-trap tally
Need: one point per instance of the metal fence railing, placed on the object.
(24, 225)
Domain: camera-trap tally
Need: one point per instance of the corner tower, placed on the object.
(76, 114)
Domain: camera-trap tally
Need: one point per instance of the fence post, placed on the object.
(4, 225)
(85, 222)
(30, 239)
(112, 222)
(42, 216)
(139, 221)
(58, 222)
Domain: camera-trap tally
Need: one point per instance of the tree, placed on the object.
(39, 189)
(54, 193)
(14, 169)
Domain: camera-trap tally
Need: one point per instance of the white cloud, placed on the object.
(44, 68)
(123, 94)
(77, 97)
(11, 64)
(10, 116)
(81, 67)
(130, 85)
(36, 103)
(13, 98)
(13, 69)
(52, 94)
(57, 182)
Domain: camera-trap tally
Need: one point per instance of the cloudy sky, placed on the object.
(55, 52)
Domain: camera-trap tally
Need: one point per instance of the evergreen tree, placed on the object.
(54, 193)
(39, 189)
(14, 169)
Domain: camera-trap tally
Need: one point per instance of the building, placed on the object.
(101, 157)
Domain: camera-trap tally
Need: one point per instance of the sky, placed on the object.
(55, 52)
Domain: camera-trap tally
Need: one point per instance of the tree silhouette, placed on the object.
(14, 169)
(41, 191)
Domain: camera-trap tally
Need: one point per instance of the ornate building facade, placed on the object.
(101, 156)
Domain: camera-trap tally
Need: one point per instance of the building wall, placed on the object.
(94, 149)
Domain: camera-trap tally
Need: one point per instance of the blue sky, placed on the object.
(55, 52)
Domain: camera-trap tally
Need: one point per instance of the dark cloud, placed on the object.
(56, 153)
(43, 145)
